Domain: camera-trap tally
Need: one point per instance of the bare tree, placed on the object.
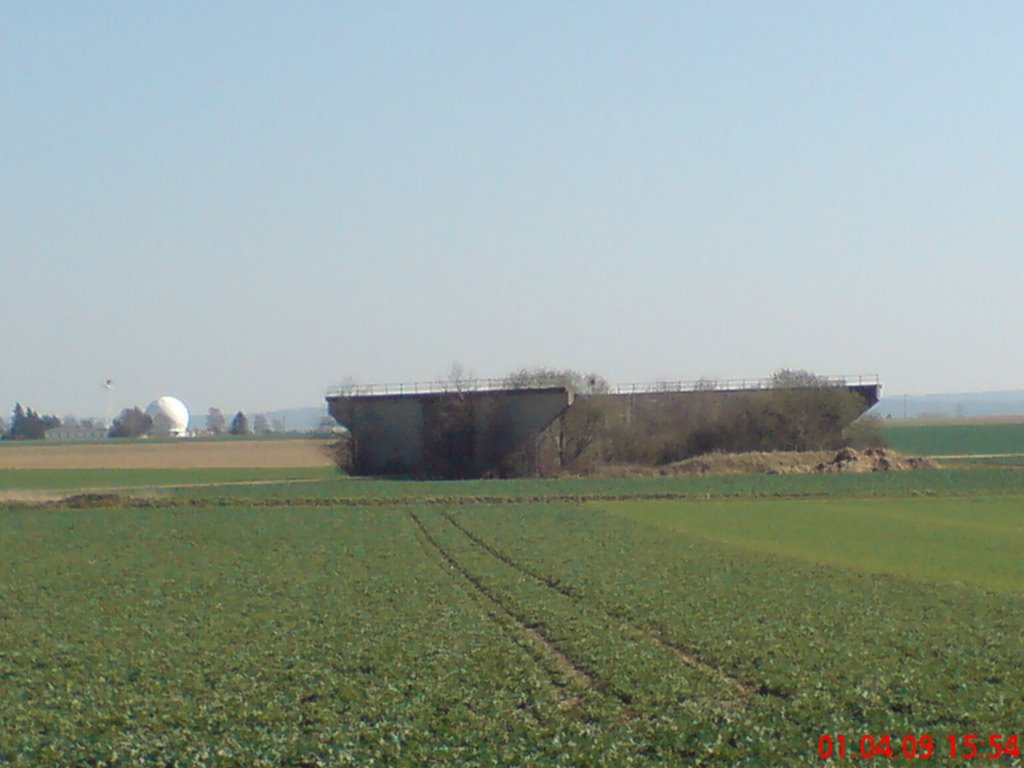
(340, 452)
(326, 425)
(458, 379)
(215, 421)
(579, 383)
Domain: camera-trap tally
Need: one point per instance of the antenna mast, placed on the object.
(108, 386)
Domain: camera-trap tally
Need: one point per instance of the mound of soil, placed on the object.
(774, 463)
(96, 501)
(753, 463)
(871, 460)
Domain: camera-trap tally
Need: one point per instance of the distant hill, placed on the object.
(298, 419)
(951, 405)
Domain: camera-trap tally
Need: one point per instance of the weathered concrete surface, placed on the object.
(708, 403)
(712, 402)
(662, 426)
(449, 435)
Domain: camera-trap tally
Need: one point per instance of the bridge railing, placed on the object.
(737, 385)
(445, 386)
(424, 387)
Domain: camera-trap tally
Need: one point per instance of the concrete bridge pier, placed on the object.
(446, 434)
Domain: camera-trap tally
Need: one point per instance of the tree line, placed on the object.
(134, 422)
(217, 424)
(28, 424)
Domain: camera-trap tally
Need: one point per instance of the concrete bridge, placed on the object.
(482, 428)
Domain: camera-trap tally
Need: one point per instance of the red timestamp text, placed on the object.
(968, 746)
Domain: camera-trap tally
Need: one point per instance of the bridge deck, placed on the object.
(504, 385)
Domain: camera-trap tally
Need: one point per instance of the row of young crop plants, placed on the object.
(644, 691)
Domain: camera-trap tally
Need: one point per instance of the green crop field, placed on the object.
(964, 439)
(988, 478)
(716, 621)
(136, 479)
(977, 541)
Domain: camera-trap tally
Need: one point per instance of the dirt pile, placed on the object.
(754, 463)
(774, 463)
(96, 501)
(871, 460)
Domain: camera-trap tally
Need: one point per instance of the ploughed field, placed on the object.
(689, 621)
(191, 454)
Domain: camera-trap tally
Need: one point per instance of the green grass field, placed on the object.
(727, 621)
(976, 541)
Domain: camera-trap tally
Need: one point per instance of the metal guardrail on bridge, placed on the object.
(446, 386)
(439, 387)
(741, 385)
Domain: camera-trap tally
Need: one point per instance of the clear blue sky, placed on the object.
(243, 203)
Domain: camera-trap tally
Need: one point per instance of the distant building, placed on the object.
(76, 432)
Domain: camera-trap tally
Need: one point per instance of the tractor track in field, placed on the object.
(743, 690)
(543, 647)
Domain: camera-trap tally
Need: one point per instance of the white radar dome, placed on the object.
(170, 417)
